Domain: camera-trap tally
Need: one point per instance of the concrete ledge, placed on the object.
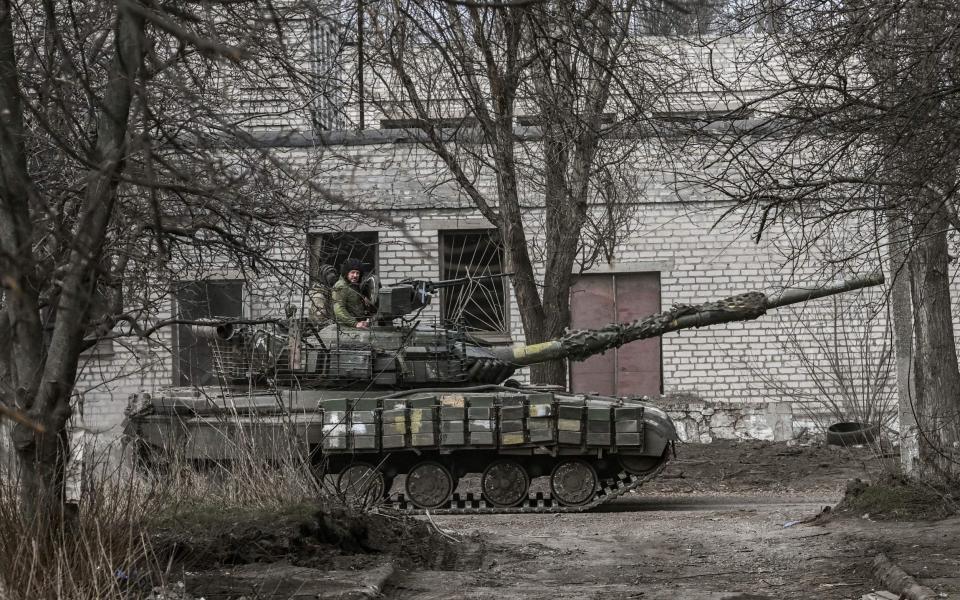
(703, 422)
(639, 266)
(454, 223)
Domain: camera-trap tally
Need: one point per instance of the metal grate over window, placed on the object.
(326, 47)
(476, 305)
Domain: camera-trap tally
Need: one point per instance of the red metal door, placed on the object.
(592, 305)
(597, 300)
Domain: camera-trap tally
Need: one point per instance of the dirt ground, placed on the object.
(724, 521)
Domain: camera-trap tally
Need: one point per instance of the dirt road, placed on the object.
(724, 521)
(680, 539)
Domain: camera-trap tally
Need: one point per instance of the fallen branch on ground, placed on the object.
(898, 581)
(442, 532)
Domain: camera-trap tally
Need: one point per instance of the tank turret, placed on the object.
(431, 404)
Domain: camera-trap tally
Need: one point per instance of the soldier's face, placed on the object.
(353, 276)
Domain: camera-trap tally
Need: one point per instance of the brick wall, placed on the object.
(401, 191)
(389, 189)
(107, 378)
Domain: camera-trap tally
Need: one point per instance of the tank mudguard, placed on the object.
(658, 430)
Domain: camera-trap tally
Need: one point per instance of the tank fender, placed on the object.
(658, 430)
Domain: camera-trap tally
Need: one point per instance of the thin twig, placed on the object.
(19, 417)
(440, 531)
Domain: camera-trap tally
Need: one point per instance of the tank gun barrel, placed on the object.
(578, 345)
(794, 295)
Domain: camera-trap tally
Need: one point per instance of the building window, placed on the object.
(334, 248)
(677, 17)
(223, 299)
(326, 44)
(475, 305)
(634, 368)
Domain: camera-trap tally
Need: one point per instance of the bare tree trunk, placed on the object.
(571, 100)
(43, 458)
(937, 389)
(558, 270)
(6, 364)
(901, 312)
(559, 57)
(51, 374)
(524, 281)
(79, 117)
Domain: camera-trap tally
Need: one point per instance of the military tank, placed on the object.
(433, 404)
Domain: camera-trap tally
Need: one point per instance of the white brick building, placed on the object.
(390, 195)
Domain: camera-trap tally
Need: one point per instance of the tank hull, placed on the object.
(591, 448)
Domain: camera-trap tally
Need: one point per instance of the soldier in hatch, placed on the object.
(350, 306)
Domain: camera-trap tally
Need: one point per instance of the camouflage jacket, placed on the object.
(348, 304)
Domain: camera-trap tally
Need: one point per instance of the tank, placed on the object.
(435, 405)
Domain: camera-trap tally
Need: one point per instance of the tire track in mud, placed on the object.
(638, 503)
(580, 567)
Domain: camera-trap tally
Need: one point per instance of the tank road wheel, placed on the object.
(636, 464)
(573, 482)
(361, 485)
(505, 483)
(429, 485)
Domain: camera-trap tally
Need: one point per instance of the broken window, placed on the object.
(334, 248)
(217, 299)
(475, 305)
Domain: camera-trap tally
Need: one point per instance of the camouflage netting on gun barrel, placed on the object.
(581, 344)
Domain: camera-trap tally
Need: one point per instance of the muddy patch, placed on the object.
(307, 551)
(729, 466)
(325, 537)
(763, 533)
(727, 520)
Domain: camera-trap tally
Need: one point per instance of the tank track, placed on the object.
(474, 504)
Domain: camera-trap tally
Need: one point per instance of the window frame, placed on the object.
(177, 374)
(492, 232)
(314, 250)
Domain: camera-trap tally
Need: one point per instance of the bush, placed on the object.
(106, 550)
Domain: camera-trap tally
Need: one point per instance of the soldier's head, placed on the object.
(352, 270)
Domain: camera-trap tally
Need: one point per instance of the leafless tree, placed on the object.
(523, 104)
(121, 163)
(859, 128)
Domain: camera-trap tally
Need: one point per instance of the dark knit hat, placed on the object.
(353, 264)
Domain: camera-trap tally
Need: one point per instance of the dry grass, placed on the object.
(106, 551)
(898, 498)
(86, 557)
(847, 357)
